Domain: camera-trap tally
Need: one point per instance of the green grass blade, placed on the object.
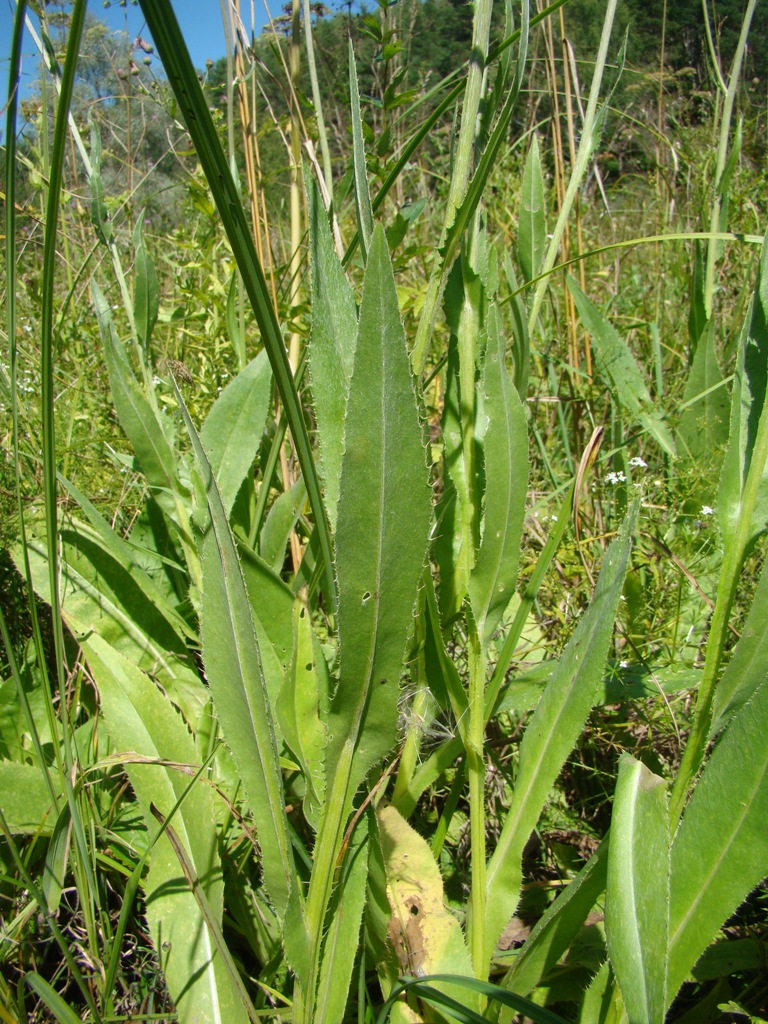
(621, 371)
(182, 77)
(532, 229)
(424, 988)
(138, 719)
(332, 345)
(233, 429)
(559, 718)
(505, 447)
(362, 195)
(235, 677)
(61, 1010)
(720, 851)
(637, 891)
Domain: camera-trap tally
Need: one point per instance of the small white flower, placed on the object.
(707, 510)
(615, 478)
(623, 664)
(638, 463)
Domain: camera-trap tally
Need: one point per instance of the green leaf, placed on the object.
(140, 721)
(302, 709)
(747, 408)
(234, 427)
(61, 1010)
(748, 664)
(137, 416)
(553, 731)
(505, 445)
(100, 595)
(602, 1001)
(557, 928)
(703, 428)
(146, 297)
(618, 366)
(362, 195)
(331, 349)
(382, 528)
(697, 316)
(236, 680)
(25, 797)
(720, 851)
(341, 947)
(532, 228)
(271, 604)
(282, 518)
(637, 892)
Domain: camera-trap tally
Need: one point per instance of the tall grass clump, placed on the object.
(407, 673)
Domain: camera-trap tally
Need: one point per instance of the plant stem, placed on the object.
(586, 148)
(476, 769)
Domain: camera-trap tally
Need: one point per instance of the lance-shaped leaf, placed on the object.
(146, 297)
(720, 851)
(532, 231)
(362, 195)
(382, 527)
(492, 582)
(332, 345)
(236, 680)
(140, 721)
(747, 412)
(621, 371)
(637, 893)
(137, 417)
(559, 718)
(233, 429)
(703, 425)
(748, 664)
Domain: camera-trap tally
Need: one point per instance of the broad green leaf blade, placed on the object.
(697, 316)
(138, 419)
(234, 427)
(182, 77)
(555, 931)
(282, 518)
(362, 195)
(139, 720)
(532, 229)
(425, 937)
(505, 445)
(302, 710)
(602, 1000)
(25, 798)
(271, 603)
(748, 664)
(621, 371)
(703, 428)
(637, 891)
(332, 345)
(341, 946)
(382, 528)
(720, 851)
(146, 297)
(551, 735)
(734, 500)
(235, 677)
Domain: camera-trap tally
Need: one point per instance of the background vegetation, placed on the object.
(575, 263)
